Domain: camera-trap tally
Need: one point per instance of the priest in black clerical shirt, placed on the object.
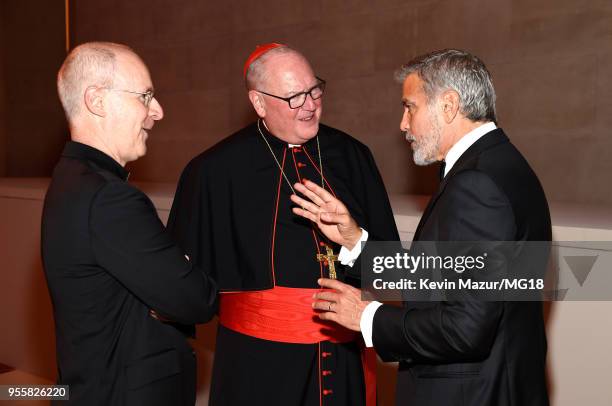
(107, 257)
(232, 216)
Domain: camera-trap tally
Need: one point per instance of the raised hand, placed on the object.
(330, 214)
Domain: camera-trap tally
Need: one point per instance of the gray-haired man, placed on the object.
(453, 352)
(107, 257)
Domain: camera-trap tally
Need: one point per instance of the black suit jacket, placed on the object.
(474, 353)
(108, 260)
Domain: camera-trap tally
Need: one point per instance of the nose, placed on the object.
(405, 123)
(155, 110)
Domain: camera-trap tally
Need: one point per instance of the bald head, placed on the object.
(89, 64)
(259, 71)
(108, 97)
(272, 80)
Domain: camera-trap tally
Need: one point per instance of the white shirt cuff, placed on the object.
(348, 257)
(367, 322)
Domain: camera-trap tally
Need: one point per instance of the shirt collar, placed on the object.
(77, 150)
(277, 141)
(464, 143)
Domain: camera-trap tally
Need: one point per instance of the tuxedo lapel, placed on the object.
(487, 141)
(428, 209)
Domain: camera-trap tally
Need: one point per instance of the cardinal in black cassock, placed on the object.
(232, 215)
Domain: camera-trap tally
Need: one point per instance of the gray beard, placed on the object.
(426, 152)
(422, 157)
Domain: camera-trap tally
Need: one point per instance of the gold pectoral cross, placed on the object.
(328, 259)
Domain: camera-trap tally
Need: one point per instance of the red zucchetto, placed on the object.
(259, 51)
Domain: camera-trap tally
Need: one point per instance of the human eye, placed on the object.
(316, 91)
(147, 97)
(297, 99)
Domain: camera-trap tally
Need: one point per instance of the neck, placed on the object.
(279, 164)
(456, 133)
(93, 138)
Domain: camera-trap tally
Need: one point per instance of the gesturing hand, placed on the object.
(343, 306)
(330, 214)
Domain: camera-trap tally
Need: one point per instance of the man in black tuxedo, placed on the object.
(466, 352)
(112, 270)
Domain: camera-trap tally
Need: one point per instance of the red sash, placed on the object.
(286, 315)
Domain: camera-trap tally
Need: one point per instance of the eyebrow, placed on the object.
(294, 93)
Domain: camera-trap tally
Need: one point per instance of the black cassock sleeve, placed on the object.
(186, 212)
(472, 208)
(381, 224)
(189, 221)
(375, 214)
(131, 242)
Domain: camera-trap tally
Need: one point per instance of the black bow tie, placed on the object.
(442, 168)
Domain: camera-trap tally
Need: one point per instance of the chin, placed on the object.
(142, 151)
(310, 132)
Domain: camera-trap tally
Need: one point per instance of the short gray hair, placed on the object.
(89, 64)
(453, 69)
(256, 74)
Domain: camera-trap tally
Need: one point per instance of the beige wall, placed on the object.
(32, 50)
(550, 60)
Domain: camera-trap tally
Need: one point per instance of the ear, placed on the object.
(258, 103)
(94, 100)
(450, 105)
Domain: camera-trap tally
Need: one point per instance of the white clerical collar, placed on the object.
(290, 145)
(464, 143)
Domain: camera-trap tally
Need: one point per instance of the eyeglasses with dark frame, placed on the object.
(148, 95)
(297, 100)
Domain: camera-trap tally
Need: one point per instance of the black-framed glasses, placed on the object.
(147, 96)
(297, 100)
